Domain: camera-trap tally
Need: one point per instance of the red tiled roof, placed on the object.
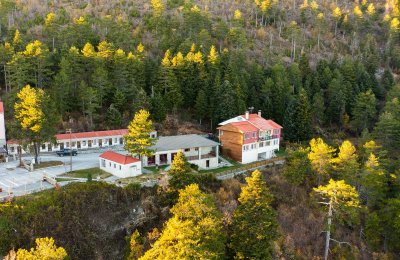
(262, 123)
(12, 141)
(1, 107)
(244, 126)
(118, 158)
(92, 134)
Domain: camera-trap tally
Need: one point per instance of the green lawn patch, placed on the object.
(63, 179)
(155, 169)
(48, 164)
(84, 173)
(140, 178)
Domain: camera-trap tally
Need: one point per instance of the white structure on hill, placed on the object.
(197, 149)
(120, 165)
(80, 141)
(2, 127)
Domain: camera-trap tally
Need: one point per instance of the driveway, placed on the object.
(20, 181)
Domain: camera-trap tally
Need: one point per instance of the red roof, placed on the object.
(1, 107)
(118, 158)
(262, 123)
(12, 141)
(244, 126)
(92, 134)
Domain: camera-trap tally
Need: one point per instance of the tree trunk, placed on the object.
(35, 147)
(328, 232)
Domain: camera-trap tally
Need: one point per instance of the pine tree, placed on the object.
(298, 168)
(318, 108)
(202, 105)
(253, 239)
(364, 110)
(138, 140)
(193, 232)
(226, 105)
(113, 118)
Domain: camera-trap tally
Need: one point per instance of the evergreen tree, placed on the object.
(193, 232)
(202, 105)
(253, 239)
(226, 105)
(364, 110)
(298, 168)
(113, 118)
(318, 108)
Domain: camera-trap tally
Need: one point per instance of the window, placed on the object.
(94, 141)
(254, 134)
(196, 149)
(120, 167)
(267, 143)
(115, 140)
(43, 146)
(115, 166)
(245, 148)
(103, 163)
(269, 132)
(83, 143)
(110, 164)
(67, 144)
(187, 150)
(12, 149)
(261, 144)
(73, 144)
(276, 131)
(276, 141)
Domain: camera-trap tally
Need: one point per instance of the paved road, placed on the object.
(20, 181)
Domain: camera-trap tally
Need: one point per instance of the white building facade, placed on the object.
(122, 166)
(2, 126)
(80, 141)
(198, 150)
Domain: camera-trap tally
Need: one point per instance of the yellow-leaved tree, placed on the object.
(138, 139)
(158, 7)
(193, 232)
(35, 118)
(179, 164)
(213, 55)
(45, 250)
(320, 156)
(346, 164)
(338, 197)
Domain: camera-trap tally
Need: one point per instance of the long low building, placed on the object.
(197, 149)
(80, 141)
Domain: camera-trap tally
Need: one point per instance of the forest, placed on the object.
(327, 71)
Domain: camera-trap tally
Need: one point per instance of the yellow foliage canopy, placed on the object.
(28, 111)
(45, 250)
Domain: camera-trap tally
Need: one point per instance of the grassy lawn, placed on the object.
(154, 169)
(48, 164)
(84, 173)
(62, 179)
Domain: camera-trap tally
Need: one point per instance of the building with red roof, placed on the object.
(249, 137)
(120, 165)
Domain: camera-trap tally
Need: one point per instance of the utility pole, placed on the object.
(70, 148)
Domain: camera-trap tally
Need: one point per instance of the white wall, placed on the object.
(120, 170)
(252, 155)
(2, 130)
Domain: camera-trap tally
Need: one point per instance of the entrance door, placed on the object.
(110, 141)
(61, 146)
(78, 144)
(90, 143)
(100, 142)
(207, 163)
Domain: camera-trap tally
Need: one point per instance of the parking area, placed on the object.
(19, 181)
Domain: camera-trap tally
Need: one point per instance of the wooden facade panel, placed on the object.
(233, 151)
(231, 137)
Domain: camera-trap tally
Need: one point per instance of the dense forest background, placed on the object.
(204, 61)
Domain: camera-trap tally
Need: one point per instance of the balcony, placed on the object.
(203, 156)
(268, 137)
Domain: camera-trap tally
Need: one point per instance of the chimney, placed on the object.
(246, 115)
(259, 113)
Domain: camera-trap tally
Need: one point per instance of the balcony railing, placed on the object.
(203, 156)
(268, 137)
